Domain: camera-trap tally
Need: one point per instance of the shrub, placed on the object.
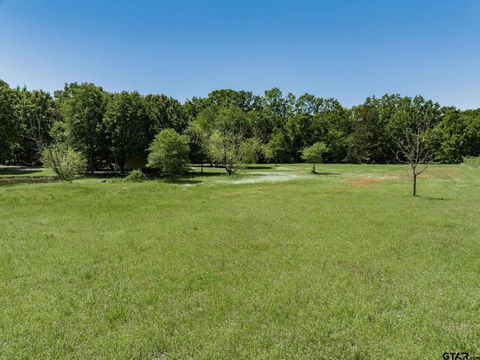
(169, 153)
(472, 161)
(65, 162)
(136, 176)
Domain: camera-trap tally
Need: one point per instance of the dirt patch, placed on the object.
(442, 173)
(400, 174)
(432, 173)
(365, 181)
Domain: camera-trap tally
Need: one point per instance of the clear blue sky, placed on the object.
(348, 49)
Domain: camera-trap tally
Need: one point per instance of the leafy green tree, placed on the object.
(169, 153)
(165, 112)
(127, 127)
(82, 107)
(314, 154)
(275, 147)
(472, 130)
(8, 125)
(372, 139)
(458, 134)
(65, 162)
(225, 143)
(35, 112)
(198, 143)
(245, 100)
(298, 130)
(232, 152)
(251, 150)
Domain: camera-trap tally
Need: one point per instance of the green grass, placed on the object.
(22, 171)
(275, 263)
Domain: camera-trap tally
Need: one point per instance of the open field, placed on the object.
(275, 263)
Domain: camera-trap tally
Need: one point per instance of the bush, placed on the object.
(136, 176)
(169, 153)
(65, 162)
(472, 161)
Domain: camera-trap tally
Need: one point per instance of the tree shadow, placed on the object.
(433, 198)
(102, 174)
(259, 167)
(325, 173)
(207, 174)
(17, 170)
(183, 181)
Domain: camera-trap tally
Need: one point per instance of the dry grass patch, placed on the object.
(365, 181)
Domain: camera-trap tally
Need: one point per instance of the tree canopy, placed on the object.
(112, 129)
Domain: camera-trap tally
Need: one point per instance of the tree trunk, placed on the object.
(414, 181)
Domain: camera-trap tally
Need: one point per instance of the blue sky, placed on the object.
(348, 49)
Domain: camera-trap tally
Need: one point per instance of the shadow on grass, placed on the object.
(433, 198)
(207, 174)
(17, 170)
(325, 173)
(106, 174)
(182, 181)
(254, 167)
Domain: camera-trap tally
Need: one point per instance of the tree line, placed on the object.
(227, 128)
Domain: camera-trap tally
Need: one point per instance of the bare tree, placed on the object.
(415, 134)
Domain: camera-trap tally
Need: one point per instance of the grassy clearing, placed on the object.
(340, 265)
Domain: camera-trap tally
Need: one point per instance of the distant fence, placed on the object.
(27, 180)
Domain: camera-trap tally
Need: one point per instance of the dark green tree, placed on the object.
(8, 123)
(127, 127)
(82, 107)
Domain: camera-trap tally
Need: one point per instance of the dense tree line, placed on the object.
(228, 128)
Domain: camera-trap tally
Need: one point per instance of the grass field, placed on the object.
(275, 263)
(21, 171)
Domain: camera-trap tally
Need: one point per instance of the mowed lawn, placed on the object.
(275, 263)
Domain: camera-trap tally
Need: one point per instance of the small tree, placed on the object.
(169, 153)
(227, 144)
(65, 162)
(232, 152)
(414, 131)
(314, 154)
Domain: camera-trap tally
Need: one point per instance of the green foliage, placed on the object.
(35, 112)
(65, 162)
(136, 175)
(314, 154)
(169, 153)
(458, 134)
(198, 138)
(116, 129)
(127, 126)
(228, 145)
(164, 112)
(8, 125)
(82, 107)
